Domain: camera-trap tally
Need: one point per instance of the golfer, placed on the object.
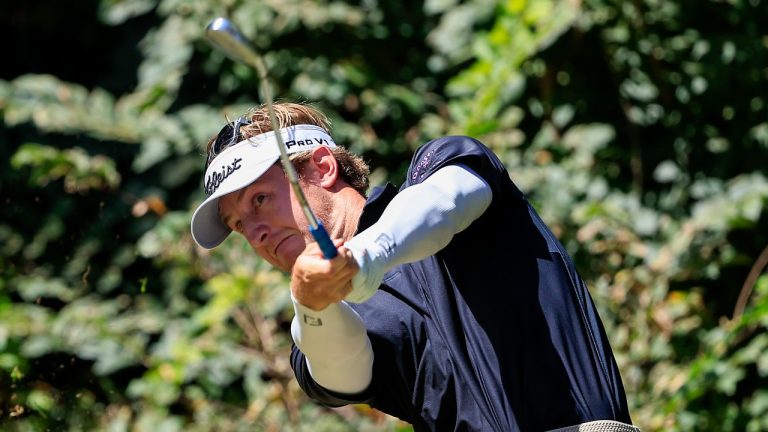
(450, 304)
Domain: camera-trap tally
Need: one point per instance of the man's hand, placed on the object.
(317, 282)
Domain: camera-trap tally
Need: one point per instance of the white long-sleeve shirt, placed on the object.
(418, 222)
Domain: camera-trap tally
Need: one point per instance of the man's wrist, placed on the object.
(371, 260)
(314, 305)
(308, 314)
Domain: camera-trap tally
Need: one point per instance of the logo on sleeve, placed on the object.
(312, 321)
(386, 243)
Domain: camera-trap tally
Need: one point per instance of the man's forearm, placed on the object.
(418, 222)
(336, 346)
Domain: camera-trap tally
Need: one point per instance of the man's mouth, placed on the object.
(280, 243)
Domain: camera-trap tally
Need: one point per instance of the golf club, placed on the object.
(224, 36)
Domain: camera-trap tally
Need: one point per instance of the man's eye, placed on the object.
(259, 199)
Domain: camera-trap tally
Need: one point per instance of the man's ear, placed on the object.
(326, 166)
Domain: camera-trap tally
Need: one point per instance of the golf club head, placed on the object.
(222, 34)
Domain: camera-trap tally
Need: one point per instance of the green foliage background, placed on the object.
(638, 128)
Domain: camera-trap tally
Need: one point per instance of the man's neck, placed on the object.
(346, 213)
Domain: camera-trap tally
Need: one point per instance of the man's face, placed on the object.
(268, 215)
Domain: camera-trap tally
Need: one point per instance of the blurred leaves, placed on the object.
(79, 170)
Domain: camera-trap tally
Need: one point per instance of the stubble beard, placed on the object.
(322, 207)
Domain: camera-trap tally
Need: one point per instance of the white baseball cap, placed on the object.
(240, 165)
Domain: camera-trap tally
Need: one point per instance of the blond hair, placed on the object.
(354, 170)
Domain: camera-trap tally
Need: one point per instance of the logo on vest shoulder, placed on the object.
(420, 169)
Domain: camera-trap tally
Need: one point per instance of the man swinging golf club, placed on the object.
(447, 303)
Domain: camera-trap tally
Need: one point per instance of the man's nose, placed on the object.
(256, 232)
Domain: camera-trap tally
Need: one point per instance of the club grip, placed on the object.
(324, 240)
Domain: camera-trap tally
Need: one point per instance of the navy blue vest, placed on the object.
(496, 332)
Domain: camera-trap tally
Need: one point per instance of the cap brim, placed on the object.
(208, 230)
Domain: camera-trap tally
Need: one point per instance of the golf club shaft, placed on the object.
(224, 36)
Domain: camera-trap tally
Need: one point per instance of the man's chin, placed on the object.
(282, 261)
(288, 253)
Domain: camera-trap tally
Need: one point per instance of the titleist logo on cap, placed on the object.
(253, 152)
(214, 179)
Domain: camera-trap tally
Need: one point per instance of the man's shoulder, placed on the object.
(443, 151)
(451, 146)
